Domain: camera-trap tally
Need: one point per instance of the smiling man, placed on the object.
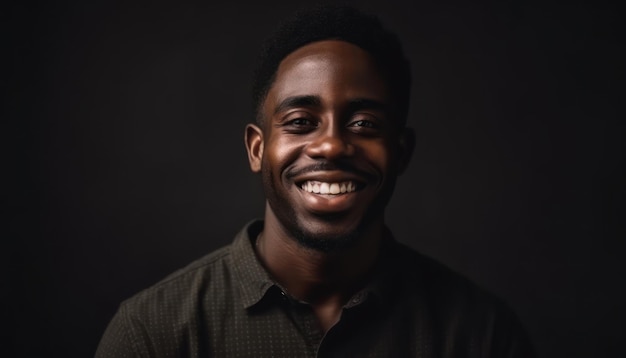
(321, 275)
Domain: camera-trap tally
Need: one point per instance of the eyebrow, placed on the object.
(315, 101)
(365, 103)
(298, 101)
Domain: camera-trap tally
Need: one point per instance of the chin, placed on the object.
(328, 234)
(326, 243)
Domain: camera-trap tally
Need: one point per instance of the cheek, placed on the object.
(377, 153)
(279, 154)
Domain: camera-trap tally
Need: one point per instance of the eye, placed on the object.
(363, 123)
(299, 124)
(366, 125)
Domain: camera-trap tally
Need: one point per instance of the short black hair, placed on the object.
(340, 23)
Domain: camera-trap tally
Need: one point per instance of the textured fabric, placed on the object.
(226, 305)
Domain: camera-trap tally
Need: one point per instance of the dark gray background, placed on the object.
(125, 157)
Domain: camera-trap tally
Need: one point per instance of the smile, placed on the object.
(318, 187)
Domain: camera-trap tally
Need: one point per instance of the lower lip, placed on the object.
(321, 203)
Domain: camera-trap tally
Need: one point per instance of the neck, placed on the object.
(313, 276)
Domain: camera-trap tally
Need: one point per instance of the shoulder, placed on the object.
(433, 278)
(157, 318)
(184, 287)
(459, 309)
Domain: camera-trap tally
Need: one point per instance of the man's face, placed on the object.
(330, 147)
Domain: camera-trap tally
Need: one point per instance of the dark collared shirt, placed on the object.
(226, 305)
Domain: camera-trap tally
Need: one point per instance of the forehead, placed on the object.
(333, 70)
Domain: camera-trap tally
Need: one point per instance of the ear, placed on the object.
(254, 146)
(406, 145)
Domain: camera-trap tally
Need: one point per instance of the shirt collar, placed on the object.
(385, 274)
(255, 282)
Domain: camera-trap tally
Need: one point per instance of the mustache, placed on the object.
(330, 166)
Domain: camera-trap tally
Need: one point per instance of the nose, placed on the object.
(330, 144)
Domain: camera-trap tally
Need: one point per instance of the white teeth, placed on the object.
(328, 188)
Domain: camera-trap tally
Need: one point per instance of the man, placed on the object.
(321, 275)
